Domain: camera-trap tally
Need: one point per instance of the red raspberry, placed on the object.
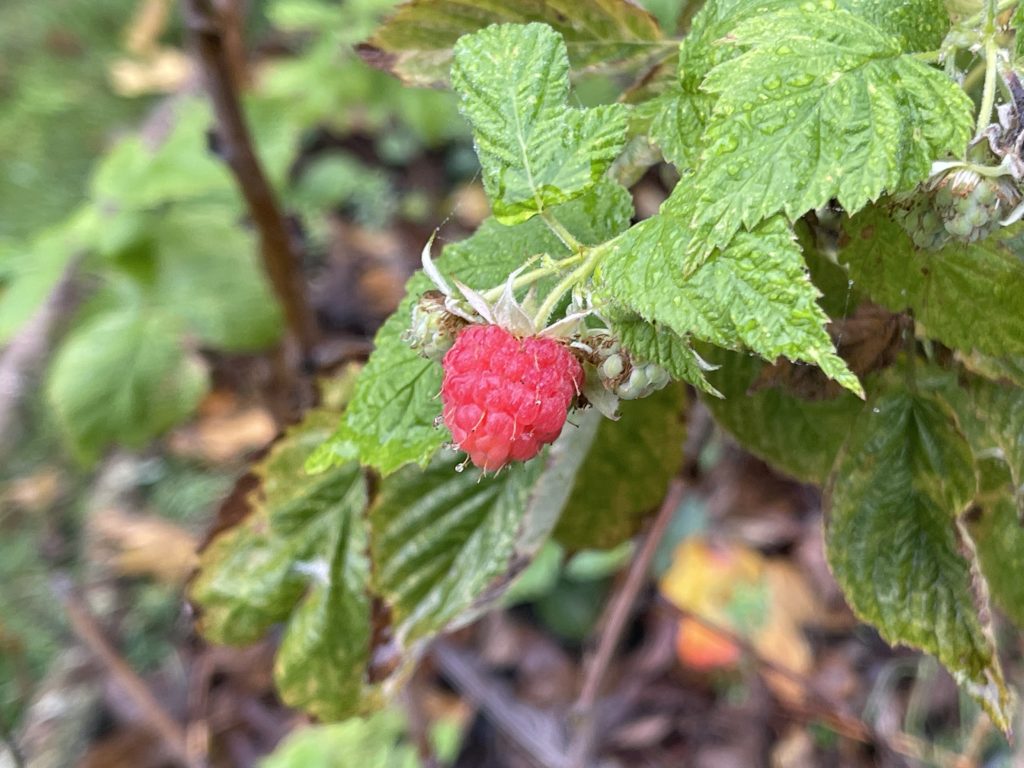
(505, 397)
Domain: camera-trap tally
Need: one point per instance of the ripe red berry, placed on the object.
(505, 397)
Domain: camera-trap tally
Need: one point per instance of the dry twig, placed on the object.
(611, 627)
(210, 36)
(89, 633)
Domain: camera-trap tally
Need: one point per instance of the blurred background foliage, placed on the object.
(107, 176)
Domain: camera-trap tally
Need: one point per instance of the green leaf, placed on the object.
(995, 425)
(416, 42)
(999, 537)
(300, 556)
(800, 437)
(390, 421)
(536, 151)
(966, 296)
(897, 546)
(625, 474)
(123, 377)
(210, 276)
(446, 544)
(753, 293)
(138, 174)
(656, 344)
(679, 122)
(29, 273)
(373, 742)
(836, 111)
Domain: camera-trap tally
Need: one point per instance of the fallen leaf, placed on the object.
(165, 70)
(225, 436)
(144, 545)
(734, 587)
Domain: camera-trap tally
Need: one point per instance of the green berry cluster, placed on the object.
(959, 205)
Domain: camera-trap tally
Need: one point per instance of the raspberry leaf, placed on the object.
(626, 471)
(535, 151)
(415, 43)
(123, 376)
(993, 418)
(1000, 541)
(800, 437)
(966, 296)
(446, 545)
(390, 421)
(897, 545)
(232, 307)
(838, 112)
(300, 557)
(755, 293)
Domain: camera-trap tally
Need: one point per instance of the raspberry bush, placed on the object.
(838, 274)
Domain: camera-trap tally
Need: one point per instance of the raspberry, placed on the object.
(505, 397)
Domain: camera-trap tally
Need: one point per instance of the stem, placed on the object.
(208, 36)
(613, 624)
(988, 98)
(561, 232)
(152, 712)
(988, 12)
(928, 56)
(528, 278)
(574, 278)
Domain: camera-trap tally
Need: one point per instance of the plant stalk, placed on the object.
(208, 37)
(988, 97)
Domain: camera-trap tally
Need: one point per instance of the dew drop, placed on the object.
(772, 82)
(876, 410)
(461, 466)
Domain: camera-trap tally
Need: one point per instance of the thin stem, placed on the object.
(928, 56)
(612, 625)
(206, 29)
(566, 284)
(529, 278)
(987, 12)
(88, 631)
(561, 232)
(988, 98)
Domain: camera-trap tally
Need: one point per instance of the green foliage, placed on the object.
(778, 108)
(1000, 542)
(299, 555)
(754, 293)
(375, 742)
(416, 42)
(894, 536)
(838, 112)
(624, 476)
(535, 151)
(122, 375)
(57, 111)
(801, 437)
(994, 422)
(966, 296)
